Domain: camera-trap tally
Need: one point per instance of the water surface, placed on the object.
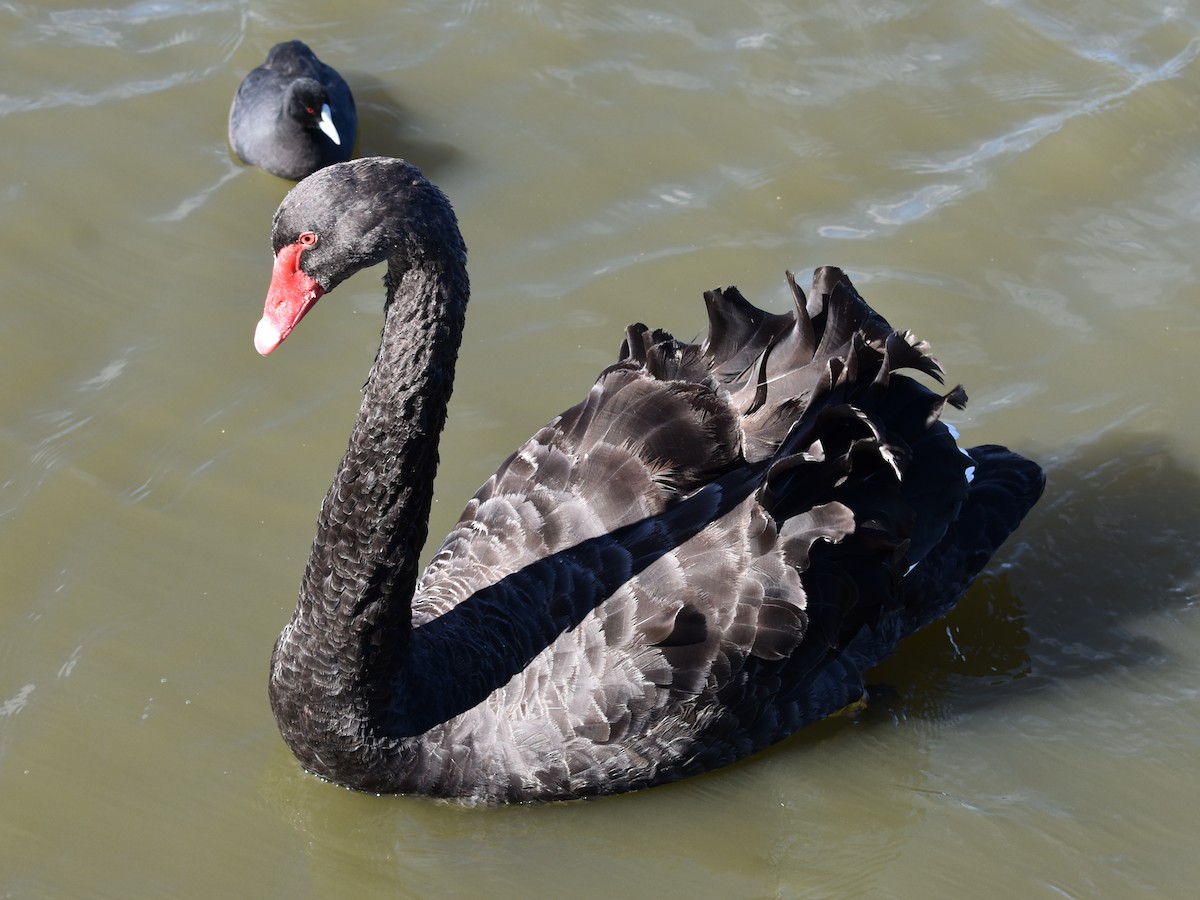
(1017, 184)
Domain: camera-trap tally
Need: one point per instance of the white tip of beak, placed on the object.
(266, 337)
(326, 124)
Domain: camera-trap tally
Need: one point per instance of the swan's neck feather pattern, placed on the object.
(351, 626)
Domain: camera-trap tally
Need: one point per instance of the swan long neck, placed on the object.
(353, 620)
(394, 447)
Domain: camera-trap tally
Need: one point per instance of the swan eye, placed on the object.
(307, 239)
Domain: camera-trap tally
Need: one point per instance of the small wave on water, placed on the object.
(116, 53)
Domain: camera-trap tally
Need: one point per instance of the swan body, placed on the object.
(293, 114)
(700, 558)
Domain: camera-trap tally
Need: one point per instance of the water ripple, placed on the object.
(1026, 136)
(17, 702)
(186, 42)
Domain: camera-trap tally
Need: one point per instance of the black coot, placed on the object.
(293, 114)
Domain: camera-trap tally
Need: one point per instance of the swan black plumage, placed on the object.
(702, 557)
(293, 114)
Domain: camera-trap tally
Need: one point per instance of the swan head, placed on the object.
(347, 217)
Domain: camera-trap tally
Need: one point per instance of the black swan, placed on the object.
(702, 557)
(293, 114)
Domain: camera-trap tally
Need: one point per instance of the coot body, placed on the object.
(293, 114)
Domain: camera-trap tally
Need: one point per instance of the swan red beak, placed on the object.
(292, 293)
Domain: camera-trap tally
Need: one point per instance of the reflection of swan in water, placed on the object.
(700, 558)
